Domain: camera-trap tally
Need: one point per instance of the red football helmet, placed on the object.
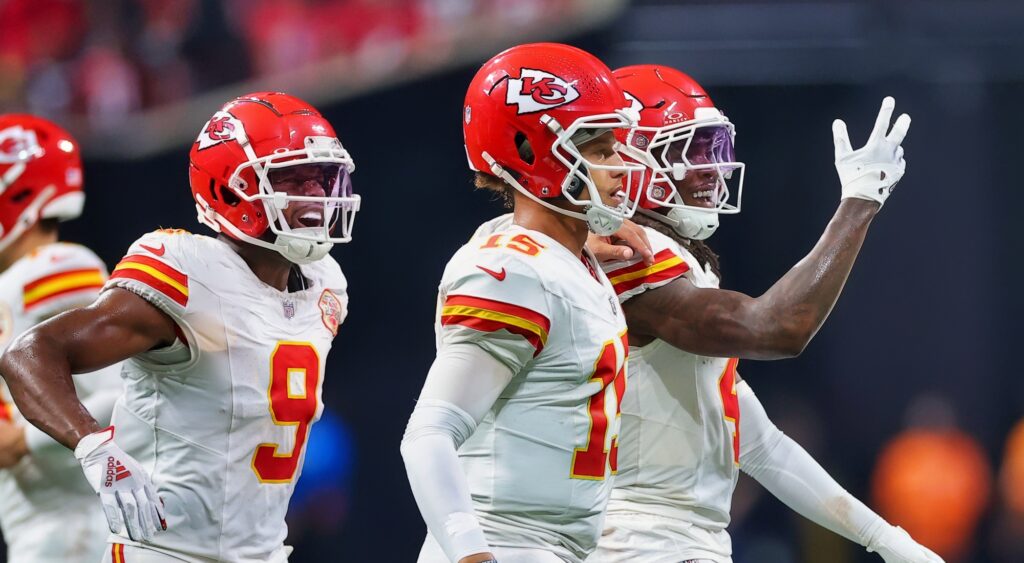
(239, 150)
(549, 98)
(40, 175)
(680, 133)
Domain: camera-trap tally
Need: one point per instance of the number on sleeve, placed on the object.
(589, 462)
(520, 243)
(294, 377)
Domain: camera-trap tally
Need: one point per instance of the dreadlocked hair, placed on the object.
(500, 190)
(701, 251)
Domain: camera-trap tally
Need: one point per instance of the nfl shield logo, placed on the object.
(289, 309)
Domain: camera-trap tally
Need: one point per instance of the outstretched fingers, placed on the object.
(841, 138)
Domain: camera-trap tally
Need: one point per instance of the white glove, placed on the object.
(895, 545)
(128, 496)
(871, 172)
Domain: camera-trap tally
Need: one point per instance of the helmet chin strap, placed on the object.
(301, 251)
(602, 222)
(295, 250)
(688, 223)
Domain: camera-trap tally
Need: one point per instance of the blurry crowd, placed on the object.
(105, 60)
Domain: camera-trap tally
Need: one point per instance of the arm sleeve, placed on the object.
(632, 277)
(506, 312)
(157, 268)
(461, 387)
(787, 471)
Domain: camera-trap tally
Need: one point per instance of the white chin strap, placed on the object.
(302, 251)
(688, 223)
(295, 250)
(602, 222)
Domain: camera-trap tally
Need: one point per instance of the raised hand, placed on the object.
(872, 171)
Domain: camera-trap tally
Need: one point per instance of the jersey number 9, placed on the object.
(294, 375)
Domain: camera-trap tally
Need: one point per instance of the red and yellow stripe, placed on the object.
(61, 284)
(667, 265)
(488, 315)
(154, 273)
(117, 552)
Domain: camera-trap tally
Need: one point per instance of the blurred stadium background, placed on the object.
(911, 394)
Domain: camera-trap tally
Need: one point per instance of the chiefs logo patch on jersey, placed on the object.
(537, 90)
(221, 127)
(330, 311)
(18, 144)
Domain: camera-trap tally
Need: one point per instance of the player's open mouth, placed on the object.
(310, 218)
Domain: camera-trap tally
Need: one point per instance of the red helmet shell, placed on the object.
(40, 174)
(512, 92)
(250, 127)
(663, 96)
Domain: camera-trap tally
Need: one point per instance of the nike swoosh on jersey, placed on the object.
(159, 251)
(500, 276)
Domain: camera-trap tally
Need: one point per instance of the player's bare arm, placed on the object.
(39, 364)
(780, 323)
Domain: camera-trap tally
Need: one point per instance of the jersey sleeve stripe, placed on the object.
(632, 270)
(158, 265)
(62, 283)
(487, 315)
(665, 270)
(158, 276)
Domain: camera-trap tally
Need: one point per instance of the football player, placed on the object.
(512, 443)
(225, 338)
(689, 422)
(47, 511)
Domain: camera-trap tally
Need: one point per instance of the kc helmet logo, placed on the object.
(221, 127)
(18, 144)
(537, 90)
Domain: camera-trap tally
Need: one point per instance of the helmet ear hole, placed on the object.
(22, 195)
(229, 197)
(523, 146)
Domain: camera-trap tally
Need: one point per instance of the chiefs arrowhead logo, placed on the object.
(18, 144)
(330, 311)
(221, 127)
(537, 90)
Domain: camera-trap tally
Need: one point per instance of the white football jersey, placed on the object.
(220, 419)
(539, 464)
(48, 511)
(679, 452)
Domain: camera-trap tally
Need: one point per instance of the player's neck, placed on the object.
(268, 265)
(568, 231)
(30, 240)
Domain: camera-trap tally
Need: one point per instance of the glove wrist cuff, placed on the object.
(92, 442)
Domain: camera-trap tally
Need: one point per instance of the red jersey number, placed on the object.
(294, 377)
